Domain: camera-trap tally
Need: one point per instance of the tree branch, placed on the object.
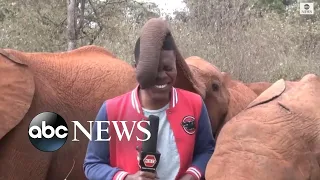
(71, 25)
(81, 21)
(99, 21)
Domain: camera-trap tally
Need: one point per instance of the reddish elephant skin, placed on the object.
(240, 97)
(73, 84)
(237, 94)
(258, 87)
(211, 79)
(276, 137)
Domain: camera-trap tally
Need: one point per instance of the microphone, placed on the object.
(149, 157)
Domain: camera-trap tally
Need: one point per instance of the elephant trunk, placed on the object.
(151, 41)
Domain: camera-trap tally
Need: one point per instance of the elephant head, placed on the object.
(225, 97)
(258, 87)
(240, 96)
(276, 137)
(217, 96)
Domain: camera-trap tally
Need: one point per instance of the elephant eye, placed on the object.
(215, 87)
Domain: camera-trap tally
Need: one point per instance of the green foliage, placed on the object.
(36, 25)
(253, 44)
(33, 25)
(275, 5)
(254, 40)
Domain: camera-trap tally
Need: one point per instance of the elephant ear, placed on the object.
(17, 88)
(196, 74)
(186, 79)
(274, 91)
(227, 79)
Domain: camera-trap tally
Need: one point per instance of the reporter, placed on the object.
(185, 138)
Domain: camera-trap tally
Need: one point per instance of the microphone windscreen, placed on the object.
(151, 144)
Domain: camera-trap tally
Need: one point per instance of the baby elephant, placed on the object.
(276, 137)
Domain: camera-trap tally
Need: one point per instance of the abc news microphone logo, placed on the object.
(48, 131)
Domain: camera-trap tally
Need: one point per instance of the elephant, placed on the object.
(258, 87)
(237, 93)
(73, 84)
(276, 137)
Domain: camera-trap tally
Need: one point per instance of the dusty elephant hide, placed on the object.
(233, 96)
(240, 97)
(258, 87)
(277, 137)
(73, 84)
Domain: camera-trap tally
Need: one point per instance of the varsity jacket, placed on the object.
(114, 159)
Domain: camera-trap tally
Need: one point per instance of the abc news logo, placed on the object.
(48, 131)
(306, 8)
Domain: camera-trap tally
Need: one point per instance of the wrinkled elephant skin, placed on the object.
(258, 87)
(276, 137)
(240, 97)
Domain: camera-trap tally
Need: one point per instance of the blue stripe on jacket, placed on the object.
(205, 143)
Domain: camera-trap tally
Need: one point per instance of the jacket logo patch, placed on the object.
(189, 124)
